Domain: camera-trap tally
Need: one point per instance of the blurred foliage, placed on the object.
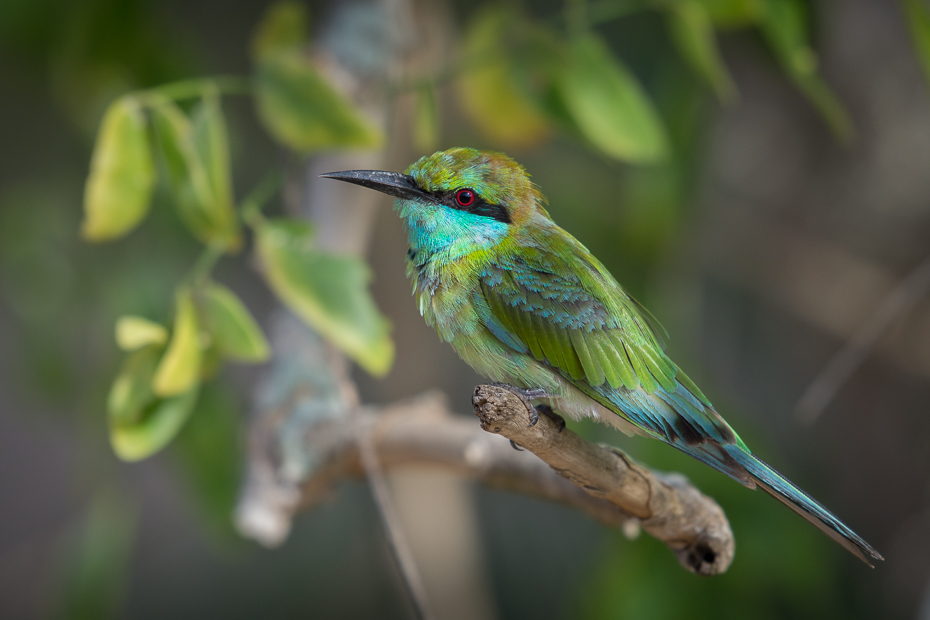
(521, 76)
(785, 26)
(918, 21)
(97, 552)
(210, 454)
(495, 92)
(692, 31)
(296, 103)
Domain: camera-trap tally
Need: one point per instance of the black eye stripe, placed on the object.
(478, 207)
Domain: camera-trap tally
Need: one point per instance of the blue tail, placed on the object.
(751, 471)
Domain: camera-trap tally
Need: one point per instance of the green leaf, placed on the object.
(135, 332)
(161, 420)
(234, 332)
(608, 105)
(118, 192)
(918, 21)
(296, 104)
(693, 33)
(132, 388)
(212, 143)
(302, 111)
(490, 90)
(198, 167)
(785, 28)
(733, 14)
(283, 28)
(329, 292)
(426, 119)
(179, 369)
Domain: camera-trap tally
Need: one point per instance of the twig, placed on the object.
(393, 529)
(841, 367)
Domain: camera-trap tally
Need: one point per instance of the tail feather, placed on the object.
(751, 471)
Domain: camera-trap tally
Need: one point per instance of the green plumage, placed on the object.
(523, 302)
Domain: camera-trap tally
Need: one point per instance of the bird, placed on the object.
(526, 304)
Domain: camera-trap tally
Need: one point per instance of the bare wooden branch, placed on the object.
(668, 507)
(598, 480)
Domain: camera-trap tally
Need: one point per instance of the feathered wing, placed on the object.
(576, 320)
(561, 304)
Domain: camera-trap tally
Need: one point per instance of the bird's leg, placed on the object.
(526, 395)
(547, 411)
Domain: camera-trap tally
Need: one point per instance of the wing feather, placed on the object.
(577, 321)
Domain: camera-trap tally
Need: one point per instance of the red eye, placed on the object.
(465, 197)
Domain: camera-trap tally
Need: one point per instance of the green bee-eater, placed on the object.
(524, 303)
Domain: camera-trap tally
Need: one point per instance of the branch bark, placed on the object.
(599, 480)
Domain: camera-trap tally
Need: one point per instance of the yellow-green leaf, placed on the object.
(918, 21)
(205, 208)
(234, 331)
(135, 332)
(489, 90)
(179, 369)
(160, 422)
(302, 111)
(212, 143)
(132, 389)
(283, 29)
(425, 119)
(118, 192)
(608, 105)
(785, 28)
(693, 34)
(329, 292)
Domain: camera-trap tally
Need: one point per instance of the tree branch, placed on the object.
(668, 507)
(598, 480)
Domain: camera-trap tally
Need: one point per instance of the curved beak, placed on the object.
(391, 183)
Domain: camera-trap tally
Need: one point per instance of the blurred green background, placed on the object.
(781, 218)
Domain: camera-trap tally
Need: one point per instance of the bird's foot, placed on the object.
(526, 395)
(515, 446)
(547, 411)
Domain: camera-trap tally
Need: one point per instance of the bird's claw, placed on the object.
(514, 445)
(547, 411)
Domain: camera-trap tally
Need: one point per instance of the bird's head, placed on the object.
(457, 201)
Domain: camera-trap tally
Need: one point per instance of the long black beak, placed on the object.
(392, 183)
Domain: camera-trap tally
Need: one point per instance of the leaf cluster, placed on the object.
(149, 134)
(521, 78)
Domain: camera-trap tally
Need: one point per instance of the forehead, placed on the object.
(451, 169)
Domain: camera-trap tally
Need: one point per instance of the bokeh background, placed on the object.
(763, 247)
